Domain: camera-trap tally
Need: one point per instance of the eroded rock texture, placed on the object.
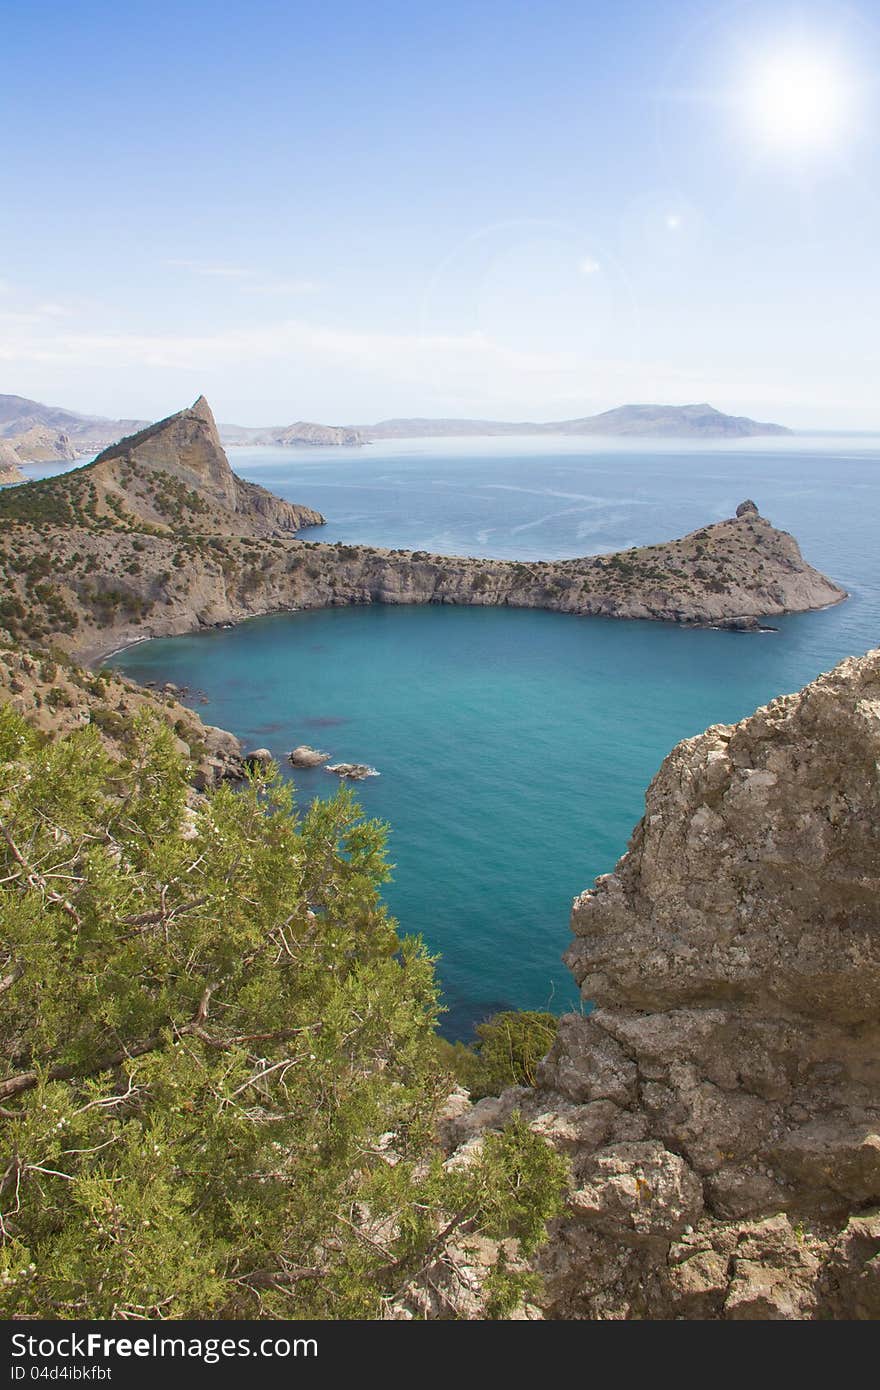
(721, 1104)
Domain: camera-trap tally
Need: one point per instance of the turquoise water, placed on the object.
(515, 747)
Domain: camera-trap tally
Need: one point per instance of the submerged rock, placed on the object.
(744, 623)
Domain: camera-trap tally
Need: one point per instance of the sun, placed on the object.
(799, 100)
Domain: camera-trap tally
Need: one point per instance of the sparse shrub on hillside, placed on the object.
(508, 1049)
(219, 1077)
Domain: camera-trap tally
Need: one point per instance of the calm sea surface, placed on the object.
(515, 747)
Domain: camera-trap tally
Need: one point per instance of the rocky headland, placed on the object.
(158, 536)
(42, 444)
(720, 1104)
(302, 434)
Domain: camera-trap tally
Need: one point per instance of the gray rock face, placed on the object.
(10, 472)
(38, 444)
(734, 959)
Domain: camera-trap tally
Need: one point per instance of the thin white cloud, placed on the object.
(35, 315)
(285, 287)
(469, 374)
(52, 310)
(589, 266)
(250, 280)
(410, 354)
(213, 269)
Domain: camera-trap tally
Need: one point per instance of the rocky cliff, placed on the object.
(43, 444)
(10, 471)
(721, 1102)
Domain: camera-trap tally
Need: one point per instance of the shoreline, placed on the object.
(203, 628)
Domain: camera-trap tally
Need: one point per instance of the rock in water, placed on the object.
(745, 624)
(304, 756)
(353, 772)
(260, 757)
(721, 1104)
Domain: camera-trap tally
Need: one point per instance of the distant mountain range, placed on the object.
(296, 435)
(655, 421)
(34, 432)
(30, 431)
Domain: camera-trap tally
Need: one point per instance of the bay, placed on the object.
(515, 747)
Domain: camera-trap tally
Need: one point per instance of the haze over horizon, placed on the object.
(497, 211)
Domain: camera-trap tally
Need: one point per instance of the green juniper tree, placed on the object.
(219, 1077)
(507, 1050)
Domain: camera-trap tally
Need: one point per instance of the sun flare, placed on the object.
(799, 100)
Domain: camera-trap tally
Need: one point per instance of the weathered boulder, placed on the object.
(259, 757)
(304, 756)
(733, 959)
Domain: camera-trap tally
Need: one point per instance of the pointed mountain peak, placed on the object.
(186, 445)
(202, 409)
(176, 473)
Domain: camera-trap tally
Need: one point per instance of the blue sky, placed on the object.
(496, 209)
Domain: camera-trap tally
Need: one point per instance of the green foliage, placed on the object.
(507, 1052)
(219, 1074)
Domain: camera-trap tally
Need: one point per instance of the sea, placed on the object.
(514, 747)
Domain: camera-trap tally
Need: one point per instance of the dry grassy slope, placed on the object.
(56, 696)
(172, 476)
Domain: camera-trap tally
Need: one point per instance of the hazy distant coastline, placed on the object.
(33, 432)
(648, 421)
